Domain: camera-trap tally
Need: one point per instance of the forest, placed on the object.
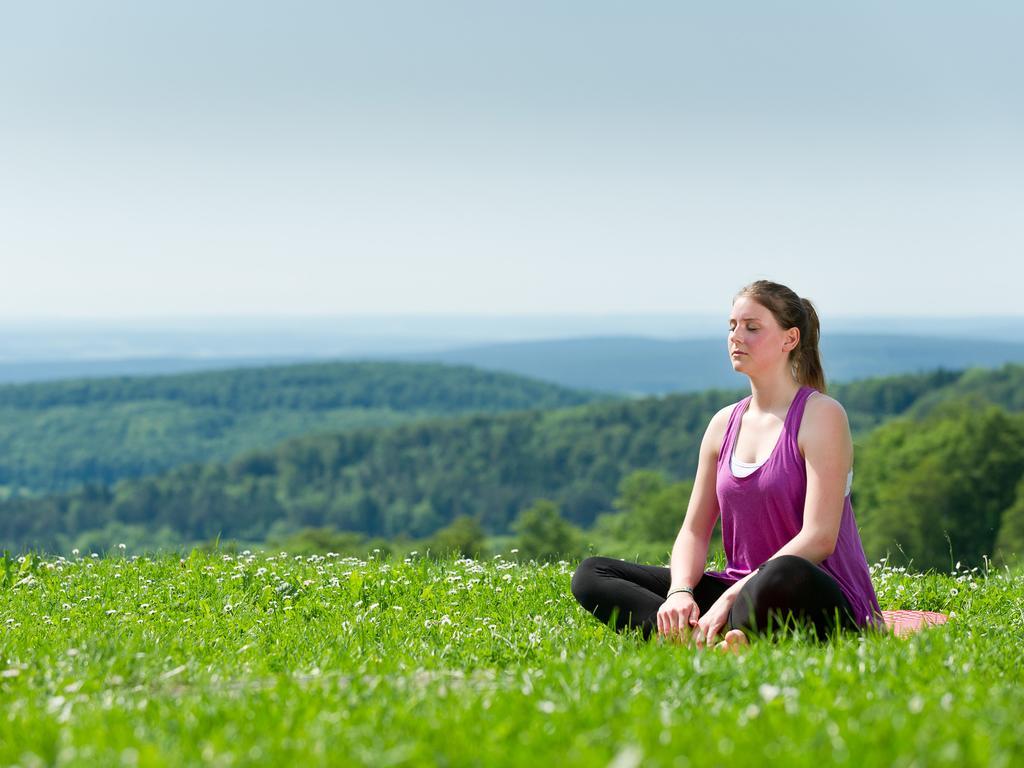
(939, 459)
(56, 436)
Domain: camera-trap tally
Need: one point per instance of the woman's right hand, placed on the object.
(678, 615)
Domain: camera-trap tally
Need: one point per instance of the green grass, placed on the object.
(272, 659)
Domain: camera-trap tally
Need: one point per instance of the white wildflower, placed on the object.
(768, 692)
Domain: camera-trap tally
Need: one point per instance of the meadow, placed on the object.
(270, 658)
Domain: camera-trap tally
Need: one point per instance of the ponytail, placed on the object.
(805, 357)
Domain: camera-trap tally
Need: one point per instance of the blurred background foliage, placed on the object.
(938, 472)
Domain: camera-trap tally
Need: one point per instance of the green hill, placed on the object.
(58, 435)
(415, 478)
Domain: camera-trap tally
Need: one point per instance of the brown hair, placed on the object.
(790, 311)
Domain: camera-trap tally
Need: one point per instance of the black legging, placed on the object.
(787, 589)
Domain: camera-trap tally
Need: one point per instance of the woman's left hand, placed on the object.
(713, 621)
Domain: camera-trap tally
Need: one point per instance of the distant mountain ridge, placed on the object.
(644, 366)
(55, 340)
(628, 365)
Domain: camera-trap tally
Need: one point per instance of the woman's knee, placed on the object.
(584, 578)
(785, 571)
(779, 582)
(792, 563)
(791, 582)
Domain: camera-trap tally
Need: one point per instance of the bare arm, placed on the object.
(690, 551)
(680, 611)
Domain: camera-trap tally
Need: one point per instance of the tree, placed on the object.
(938, 489)
(655, 508)
(319, 541)
(544, 534)
(1010, 541)
(463, 536)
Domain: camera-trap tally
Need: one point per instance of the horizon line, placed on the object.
(456, 315)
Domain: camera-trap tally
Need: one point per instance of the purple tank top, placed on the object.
(764, 510)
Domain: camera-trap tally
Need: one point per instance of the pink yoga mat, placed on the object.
(907, 622)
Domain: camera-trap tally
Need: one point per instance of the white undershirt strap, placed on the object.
(742, 469)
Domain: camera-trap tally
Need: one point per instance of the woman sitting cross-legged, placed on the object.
(777, 467)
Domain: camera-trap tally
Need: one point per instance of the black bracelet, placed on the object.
(679, 589)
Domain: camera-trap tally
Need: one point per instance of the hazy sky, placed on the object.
(517, 157)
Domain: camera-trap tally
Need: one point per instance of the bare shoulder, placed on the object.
(715, 433)
(824, 419)
(824, 407)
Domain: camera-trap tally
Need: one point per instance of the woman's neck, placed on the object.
(773, 396)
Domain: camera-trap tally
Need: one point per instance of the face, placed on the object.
(756, 342)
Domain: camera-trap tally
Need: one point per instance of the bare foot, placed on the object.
(734, 641)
